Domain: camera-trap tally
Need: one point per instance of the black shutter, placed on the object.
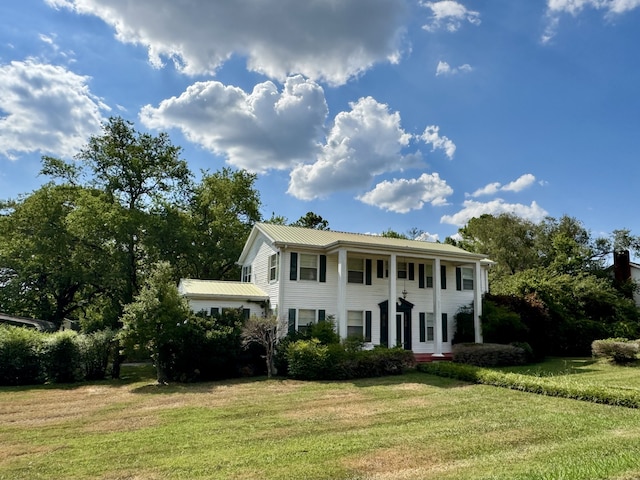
(380, 268)
(367, 271)
(292, 320)
(412, 273)
(421, 275)
(367, 326)
(246, 313)
(445, 334)
(443, 277)
(293, 268)
(423, 327)
(398, 330)
(458, 278)
(322, 315)
(323, 268)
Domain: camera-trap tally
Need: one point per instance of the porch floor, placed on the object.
(429, 357)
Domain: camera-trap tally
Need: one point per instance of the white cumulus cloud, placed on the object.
(449, 15)
(322, 39)
(431, 135)
(472, 209)
(262, 130)
(444, 69)
(403, 195)
(45, 108)
(517, 185)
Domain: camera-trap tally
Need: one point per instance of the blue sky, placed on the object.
(375, 114)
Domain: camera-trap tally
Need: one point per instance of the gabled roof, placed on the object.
(329, 240)
(42, 325)
(240, 291)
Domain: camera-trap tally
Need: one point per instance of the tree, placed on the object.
(393, 234)
(264, 331)
(138, 172)
(223, 208)
(311, 220)
(153, 319)
(55, 254)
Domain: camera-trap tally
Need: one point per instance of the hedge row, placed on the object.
(29, 357)
(491, 354)
(550, 386)
(617, 350)
(312, 360)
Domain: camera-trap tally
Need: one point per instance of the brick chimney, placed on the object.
(621, 266)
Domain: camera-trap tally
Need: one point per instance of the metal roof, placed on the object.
(232, 290)
(328, 239)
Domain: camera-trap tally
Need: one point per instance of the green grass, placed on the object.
(414, 426)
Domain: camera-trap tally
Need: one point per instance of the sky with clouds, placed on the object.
(374, 114)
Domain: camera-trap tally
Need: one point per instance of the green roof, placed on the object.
(328, 239)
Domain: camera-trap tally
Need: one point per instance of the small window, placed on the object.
(355, 267)
(467, 278)
(429, 274)
(355, 324)
(430, 325)
(402, 269)
(273, 267)
(246, 274)
(308, 267)
(306, 318)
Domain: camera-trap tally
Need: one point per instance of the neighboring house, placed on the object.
(41, 325)
(391, 291)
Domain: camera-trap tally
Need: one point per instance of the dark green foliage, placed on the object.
(502, 325)
(96, 349)
(489, 354)
(465, 331)
(617, 350)
(535, 384)
(20, 356)
(325, 332)
(311, 360)
(62, 358)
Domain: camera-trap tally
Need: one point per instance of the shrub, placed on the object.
(62, 357)
(489, 354)
(325, 331)
(310, 360)
(20, 356)
(95, 351)
(617, 350)
(465, 331)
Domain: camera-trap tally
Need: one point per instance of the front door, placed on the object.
(402, 324)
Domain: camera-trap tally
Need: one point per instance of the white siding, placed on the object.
(207, 305)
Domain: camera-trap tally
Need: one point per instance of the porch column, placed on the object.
(341, 306)
(477, 302)
(437, 308)
(393, 341)
(282, 279)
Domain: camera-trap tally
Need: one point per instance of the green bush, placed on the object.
(96, 349)
(20, 356)
(489, 354)
(311, 360)
(62, 358)
(465, 331)
(617, 350)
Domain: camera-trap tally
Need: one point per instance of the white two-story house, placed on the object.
(390, 291)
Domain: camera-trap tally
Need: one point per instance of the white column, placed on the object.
(282, 279)
(437, 308)
(392, 299)
(477, 302)
(342, 294)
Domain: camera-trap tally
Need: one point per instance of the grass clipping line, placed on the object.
(553, 386)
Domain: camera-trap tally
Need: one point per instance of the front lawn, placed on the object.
(414, 426)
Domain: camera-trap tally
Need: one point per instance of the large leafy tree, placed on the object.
(55, 255)
(139, 172)
(221, 212)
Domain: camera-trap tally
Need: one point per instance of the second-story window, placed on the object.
(308, 267)
(246, 273)
(402, 269)
(355, 267)
(273, 267)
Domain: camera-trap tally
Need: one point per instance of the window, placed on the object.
(355, 268)
(429, 274)
(273, 267)
(215, 311)
(306, 318)
(402, 269)
(430, 324)
(467, 278)
(355, 324)
(246, 273)
(308, 267)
